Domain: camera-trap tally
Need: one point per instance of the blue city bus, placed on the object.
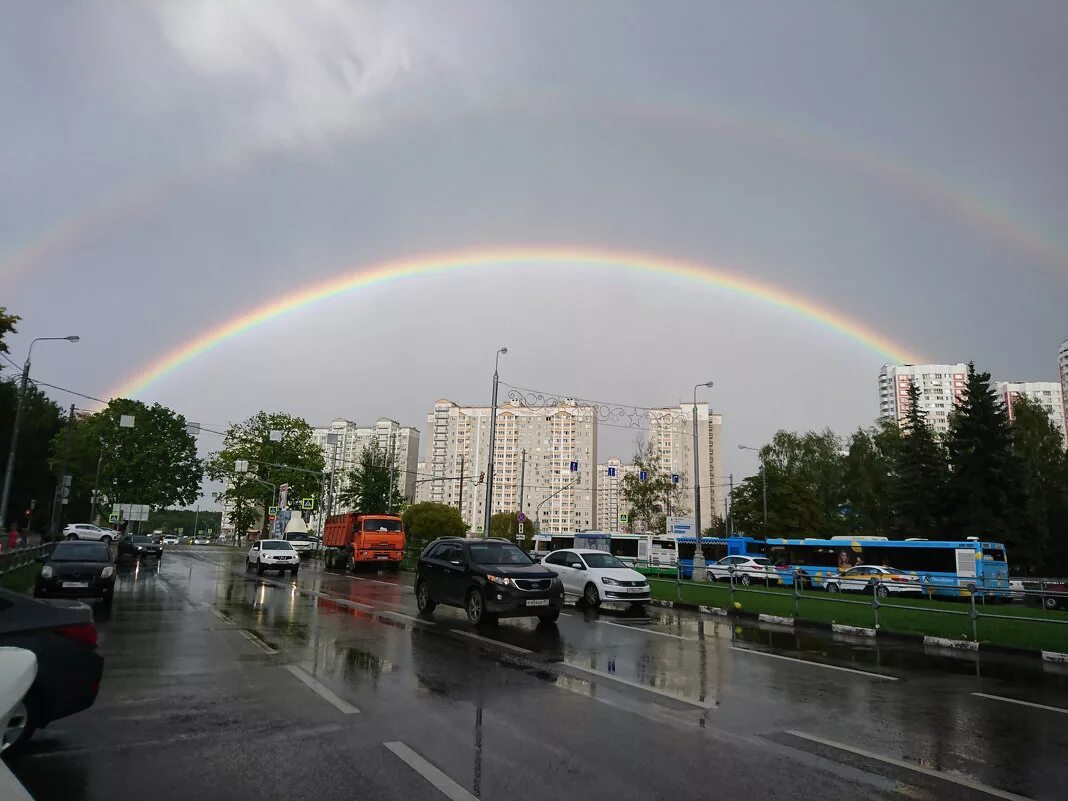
(715, 548)
(950, 568)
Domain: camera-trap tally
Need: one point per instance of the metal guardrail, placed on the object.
(20, 557)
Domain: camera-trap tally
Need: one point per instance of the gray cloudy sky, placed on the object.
(167, 166)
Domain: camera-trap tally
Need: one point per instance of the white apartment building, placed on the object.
(671, 432)
(344, 453)
(536, 449)
(1047, 394)
(941, 386)
(612, 503)
(1062, 363)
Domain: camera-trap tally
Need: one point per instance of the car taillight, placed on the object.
(84, 632)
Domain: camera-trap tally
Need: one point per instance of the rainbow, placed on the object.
(500, 258)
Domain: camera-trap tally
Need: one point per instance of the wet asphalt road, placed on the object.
(222, 685)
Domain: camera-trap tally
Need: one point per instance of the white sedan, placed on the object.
(866, 578)
(272, 555)
(597, 576)
(747, 570)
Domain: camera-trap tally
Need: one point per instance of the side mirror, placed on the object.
(578, 566)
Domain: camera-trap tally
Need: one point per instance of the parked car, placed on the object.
(170, 539)
(87, 531)
(18, 668)
(62, 635)
(597, 576)
(272, 555)
(489, 578)
(140, 546)
(1052, 594)
(871, 578)
(747, 570)
(303, 544)
(77, 570)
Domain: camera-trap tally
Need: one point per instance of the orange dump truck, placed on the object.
(360, 539)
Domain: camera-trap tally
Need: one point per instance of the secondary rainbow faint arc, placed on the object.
(399, 269)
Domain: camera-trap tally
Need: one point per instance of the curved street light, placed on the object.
(698, 573)
(492, 444)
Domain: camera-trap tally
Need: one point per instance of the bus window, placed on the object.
(994, 554)
(625, 548)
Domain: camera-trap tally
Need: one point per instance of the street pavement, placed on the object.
(224, 685)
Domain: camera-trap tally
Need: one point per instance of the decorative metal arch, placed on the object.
(608, 413)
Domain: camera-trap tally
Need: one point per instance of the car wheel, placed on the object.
(548, 618)
(1049, 602)
(745, 580)
(248, 565)
(106, 539)
(422, 598)
(21, 725)
(259, 568)
(476, 609)
(591, 596)
(350, 563)
(72, 536)
(831, 587)
(882, 591)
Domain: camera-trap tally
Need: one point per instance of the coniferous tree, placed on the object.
(920, 475)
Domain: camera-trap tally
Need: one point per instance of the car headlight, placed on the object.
(140, 547)
(503, 581)
(611, 581)
(106, 572)
(47, 572)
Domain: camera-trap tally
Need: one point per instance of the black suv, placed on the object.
(489, 578)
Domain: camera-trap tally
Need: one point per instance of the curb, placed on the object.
(857, 631)
(1055, 656)
(945, 642)
(778, 619)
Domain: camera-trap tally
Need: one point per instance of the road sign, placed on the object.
(307, 504)
(64, 492)
(522, 518)
(132, 511)
(574, 467)
(273, 511)
(520, 529)
(643, 475)
(520, 537)
(241, 466)
(611, 472)
(674, 478)
(680, 526)
(272, 518)
(113, 517)
(180, 529)
(275, 435)
(624, 517)
(283, 494)
(126, 421)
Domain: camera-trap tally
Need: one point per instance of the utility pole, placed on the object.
(698, 572)
(461, 503)
(389, 495)
(522, 476)
(196, 520)
(730, 513)
(492, 446)
(57, 504)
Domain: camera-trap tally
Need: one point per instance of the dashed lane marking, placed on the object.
(613, 677)
(1046, 707)
(480, 638)
(867, 673)
(323, 691)
(449, 788)
(252, 638)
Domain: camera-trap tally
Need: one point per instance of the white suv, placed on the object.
(272, 555)
(87, 531)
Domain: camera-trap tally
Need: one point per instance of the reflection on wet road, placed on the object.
(221, 684)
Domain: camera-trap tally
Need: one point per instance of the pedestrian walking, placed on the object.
(12, 537)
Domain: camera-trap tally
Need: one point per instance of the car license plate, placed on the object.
(381, 557)
(538, 602)
(75, 585)
(637, 589)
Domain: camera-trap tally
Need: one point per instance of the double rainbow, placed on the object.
(502, 258)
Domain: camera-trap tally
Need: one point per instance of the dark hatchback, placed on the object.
(489, 578)
(140, 546)
(77, 569)
(62, 635)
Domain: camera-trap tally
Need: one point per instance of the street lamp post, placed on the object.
(763, 482)
(492, 445)
(9, 473)
(698, 555)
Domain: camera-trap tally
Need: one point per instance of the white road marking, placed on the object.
(882, 676)
(221, 616)
(406, 617)
(404, 587)
(252, 638)
(646, 631)
(480, 638)
(639, 685)
(900, 763)
(355, 604)
(323, 691)
(448, 788)
(1060, 709)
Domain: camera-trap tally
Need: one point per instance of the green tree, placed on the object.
(424, 522)
(1039, 445)
(32, 482)
(155, 462)
(7, 326)
(374, 486)
(868, 474)
(805, 476)
(985, 483)
(170, 520)
(649, 500)
(291, 457)
(505, 525)
(918, 491)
